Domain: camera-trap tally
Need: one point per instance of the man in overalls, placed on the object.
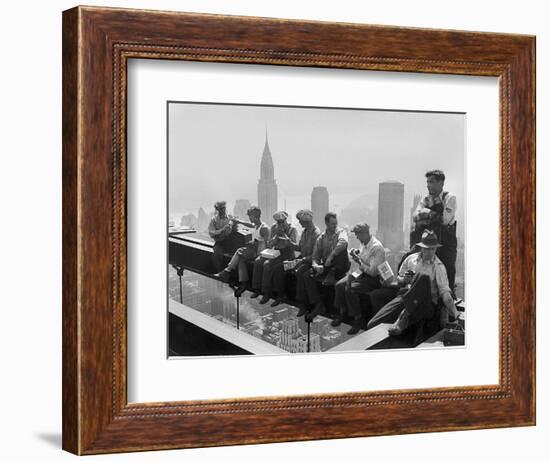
(436, 211)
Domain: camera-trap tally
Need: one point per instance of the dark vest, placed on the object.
(445, 233)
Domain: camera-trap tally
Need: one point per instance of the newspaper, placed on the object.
(385, 271)
(290, 264)
(270, 253)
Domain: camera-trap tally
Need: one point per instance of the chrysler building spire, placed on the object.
(267, 187)
(266, 169)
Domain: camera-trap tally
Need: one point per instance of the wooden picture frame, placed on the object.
(97, 42)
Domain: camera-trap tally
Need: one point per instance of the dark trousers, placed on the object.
(302, 271)
(311, 283)
(219, 255)
(347, 294)
(417, 300)
(279, 280)
(379, 297)
(262, 275)
(447, 255)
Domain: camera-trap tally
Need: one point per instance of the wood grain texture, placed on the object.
(97, 42)
(70, 384)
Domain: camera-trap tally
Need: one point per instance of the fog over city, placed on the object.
(365, 165)
(215, 152)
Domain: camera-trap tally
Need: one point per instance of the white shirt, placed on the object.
(434, 269)
(371, 256)
(449, 207)
(257, 236)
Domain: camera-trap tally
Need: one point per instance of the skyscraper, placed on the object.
(188, 220)
(240, 208)
(267, 187)
(293, 340)
(290, 334)
(390, 214)
(319, 205)
(314, 344)
(202, 220)
(416, 201)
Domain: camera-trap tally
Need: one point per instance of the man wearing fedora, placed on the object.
(361, 281)
(423, 281)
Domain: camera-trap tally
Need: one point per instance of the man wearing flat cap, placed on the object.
(219, 229)
(424, 283)
(305, 246)
(361, 281)
(282, 237)
(257, 243)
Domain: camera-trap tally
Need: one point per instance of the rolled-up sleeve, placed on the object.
(408, 264)
(441, 280)
(449, 210)
(316, 256)
(377, 257)
(341, 244)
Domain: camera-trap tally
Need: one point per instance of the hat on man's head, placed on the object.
(220, 204)
(429, 240)
(305, 215)
(361, 227)
(280, 215)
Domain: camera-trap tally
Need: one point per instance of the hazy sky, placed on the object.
(215, 152)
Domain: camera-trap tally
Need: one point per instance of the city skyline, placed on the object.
(367, 211)
(275, 325)
(395, 228)
(349, 142)
(364, 165)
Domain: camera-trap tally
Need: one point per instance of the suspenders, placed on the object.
(444, 232)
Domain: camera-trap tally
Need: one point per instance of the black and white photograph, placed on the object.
(275, 230)
(314, 229)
